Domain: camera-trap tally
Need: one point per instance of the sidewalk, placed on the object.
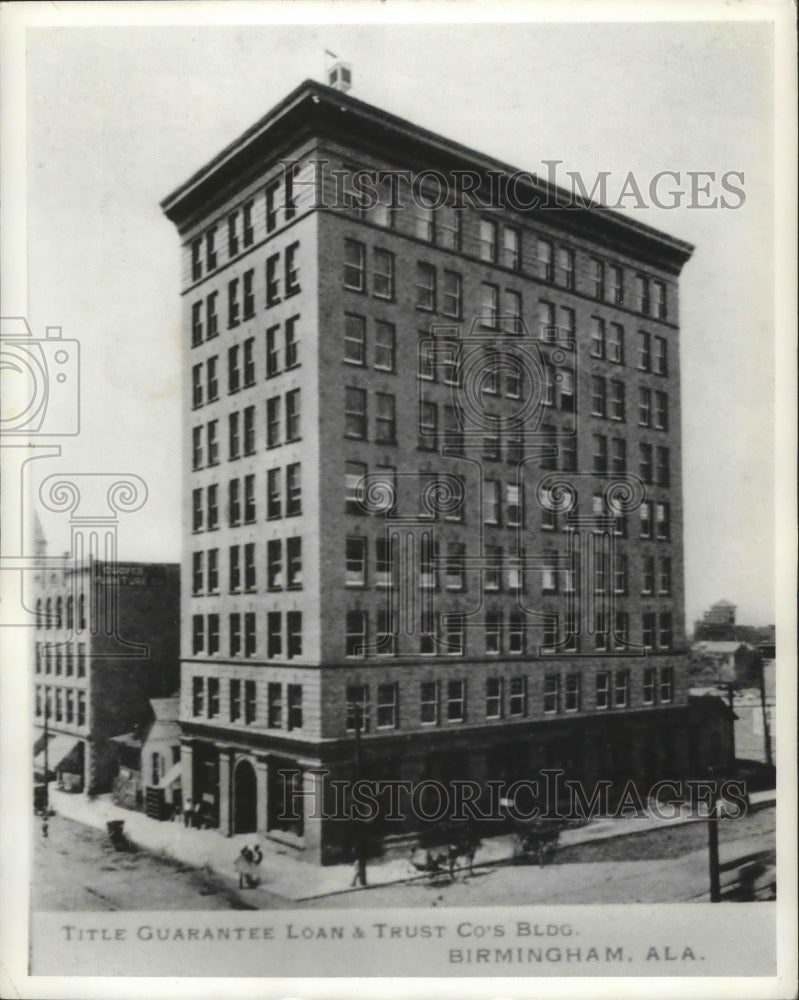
(288, 876)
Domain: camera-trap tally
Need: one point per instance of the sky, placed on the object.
(118, 117)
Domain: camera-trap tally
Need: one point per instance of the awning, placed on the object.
(64, 753)
(171, 776)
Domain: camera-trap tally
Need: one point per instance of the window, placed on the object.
(621, 688)
(664, 577)
(197, 385)
(618, 458)
(292, 342)
(566, 390)
(354, 339)
(488, 240)
(235, 700)
(234, 567)
(661, 413)
(212, 501)
(385, 424)
(649, 686)
(196, 324)
(273, 494)
(644, 352)
(619, 573)
(492, 575)
(549, 571)
(290, 208)
(354, 265)
(233, 370)
(386, 633)
(293, 490)
(600, 461)
(449, 227)
(234, 502)
(491, 501)
(354, 473)
(450, 363)
(271, 206)
(665, 630)
(428, 630)
(428, 426)
(385, 552)
(210, 248)
(294, 562)
(293, 634)
(456, 701)
(648, 629)
(617, 400)
(233, 307)
(274, 634)
(659, 300)
(248, 303)
(272, 280)
(249, 362)
(615, 344)
(493, 632)
(234, 628)
(454, 635)
(551, 693)
(249, 430)
(489, 305)
(292, 273)
(615, 285)
(545, 260)
(644, 406)
(213, 571)
(662, 522)
(234, 439)
(274, 564)
(512, 305)
(249, 567)
(249, 499)
(565, 270)
(598, 278)
(647, 575)
(294, 697)
(274, 705)
(196, 259)
(428, 703)
(247, 226)
(385, 346)
(511, 248)
(571, 700)
(425, 287)
(451, 294)
(662, 473)
(355, 413)
(645, 513)
(355, 562)
(661, 359)
(641, 301)
(513, 505)
(516, 637)
(213, 634)
(357, 699)
(272, 351)
(597, 337)
(197, 696)
(213, 443)
(455, 573)
(387, 706)
(250, 703)
(666, 684)
(645, 469)
(293, 415)
(602, 689)
(211, 316)
(423, 221)
(383, 274)
(493, 697)
(428, 563)
(598, 396)
(197, 447)
(355, 639)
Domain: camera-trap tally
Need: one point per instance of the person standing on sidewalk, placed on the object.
(187, 813)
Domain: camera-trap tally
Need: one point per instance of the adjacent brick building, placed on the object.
(106, 641)
(433, 494)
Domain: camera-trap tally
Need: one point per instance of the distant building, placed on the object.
(106, 642)
(724, 662)
(149, 761)
(755, 726)
(718, 622)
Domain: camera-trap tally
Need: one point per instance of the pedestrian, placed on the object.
(196, 815)
(188, 814)
(359, 867)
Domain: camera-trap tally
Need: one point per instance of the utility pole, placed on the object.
(713, 851)
(731, 699)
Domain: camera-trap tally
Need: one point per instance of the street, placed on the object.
(77, 868)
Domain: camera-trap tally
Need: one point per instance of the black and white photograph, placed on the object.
(399, 546)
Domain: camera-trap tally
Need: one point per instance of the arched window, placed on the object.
(48, 613)
(59, 613)
(70, 612)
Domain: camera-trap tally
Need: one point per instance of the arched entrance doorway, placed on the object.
(245, 798)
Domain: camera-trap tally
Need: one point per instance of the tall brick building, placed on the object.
(433, 499)
(106, 641)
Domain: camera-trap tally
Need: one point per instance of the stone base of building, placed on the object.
(318, 799)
